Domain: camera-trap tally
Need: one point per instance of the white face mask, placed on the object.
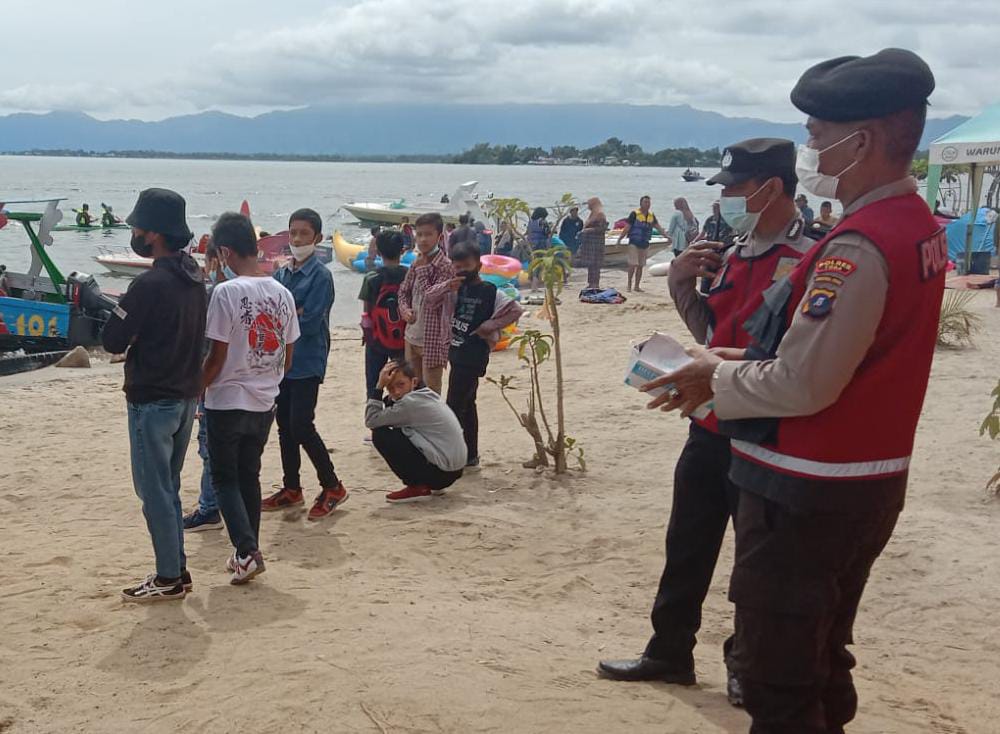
(733, 209)
(302, 252)
(807, 169)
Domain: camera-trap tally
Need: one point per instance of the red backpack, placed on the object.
(387, 321)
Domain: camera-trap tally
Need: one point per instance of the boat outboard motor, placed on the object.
(82, 291)
(91, 309)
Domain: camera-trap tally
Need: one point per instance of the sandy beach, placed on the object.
(482, 611)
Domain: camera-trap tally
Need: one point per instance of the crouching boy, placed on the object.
(416, 433)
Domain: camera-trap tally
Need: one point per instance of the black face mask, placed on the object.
(140, 246)
(470, 276)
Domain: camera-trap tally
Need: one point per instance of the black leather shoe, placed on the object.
(734, 689)
(646, 669)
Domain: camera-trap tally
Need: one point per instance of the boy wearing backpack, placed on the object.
(382, 324)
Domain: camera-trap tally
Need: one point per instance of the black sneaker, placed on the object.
(197, 521)
(149, 591)
(186, 581)
(472, 464)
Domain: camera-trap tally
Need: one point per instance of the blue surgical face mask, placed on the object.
(733, 210)
(229, 272)
(213, 277)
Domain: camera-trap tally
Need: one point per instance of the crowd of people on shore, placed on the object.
(255, 351)
(804, 402)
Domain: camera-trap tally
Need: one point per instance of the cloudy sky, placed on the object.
(122, 58)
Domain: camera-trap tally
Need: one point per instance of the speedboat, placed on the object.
(616, 255)
(690, 176)
(461, 202)
(123, 261)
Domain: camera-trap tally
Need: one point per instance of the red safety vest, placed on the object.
(868, 432)
(738, 288)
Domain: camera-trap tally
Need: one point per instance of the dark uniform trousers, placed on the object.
(703, 501)
(797, 583)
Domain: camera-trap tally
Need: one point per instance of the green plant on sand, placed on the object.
(991, 425)
(958, 325)
(535, 348)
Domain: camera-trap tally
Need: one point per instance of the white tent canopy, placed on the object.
(976, 144)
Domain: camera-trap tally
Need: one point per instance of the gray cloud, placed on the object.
(735, 58)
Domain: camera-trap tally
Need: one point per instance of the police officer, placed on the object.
(821, 491)
(759, 182)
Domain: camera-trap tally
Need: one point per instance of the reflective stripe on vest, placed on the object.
(820, 469)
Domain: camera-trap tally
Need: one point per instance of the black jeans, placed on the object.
(236, 440)
(408, 463)
(797, 582)
(375, 360)
(296, 411)
(704, 499)
(463, 385)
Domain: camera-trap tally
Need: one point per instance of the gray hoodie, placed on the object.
(425, 418)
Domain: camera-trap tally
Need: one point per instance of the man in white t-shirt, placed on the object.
(251, 328)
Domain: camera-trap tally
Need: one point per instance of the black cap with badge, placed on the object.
(162, 211)
(851, 88)
(757, 158)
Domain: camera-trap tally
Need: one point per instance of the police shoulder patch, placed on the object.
(830, 280)
(835, 266)
(819, 303)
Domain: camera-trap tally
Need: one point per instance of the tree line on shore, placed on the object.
(612, 151)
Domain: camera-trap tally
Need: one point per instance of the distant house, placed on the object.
(610, 161)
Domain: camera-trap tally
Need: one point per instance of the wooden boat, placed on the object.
(34, 307)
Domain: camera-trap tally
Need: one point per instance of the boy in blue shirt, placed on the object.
(311, 283)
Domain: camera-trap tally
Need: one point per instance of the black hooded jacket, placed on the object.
(161, 320)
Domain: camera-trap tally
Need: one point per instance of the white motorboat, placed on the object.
(616, 255)
(125, 262)
(393, 213)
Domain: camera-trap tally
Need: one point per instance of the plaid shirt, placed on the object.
(433, 281)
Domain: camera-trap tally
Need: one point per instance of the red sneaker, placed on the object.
(409, 494)
(281, 500)
(328, 501)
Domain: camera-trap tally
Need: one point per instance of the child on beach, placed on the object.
(479, 312)
(422, 303)
(382, 322)
(206, 515)
(311, 285)
(252, 327)
(417, 435)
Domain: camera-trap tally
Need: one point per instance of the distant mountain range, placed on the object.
(402, 129)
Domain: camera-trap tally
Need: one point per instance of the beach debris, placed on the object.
(117, 358)
(78, 357)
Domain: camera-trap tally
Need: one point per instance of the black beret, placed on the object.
(756, 158)
(852, 88)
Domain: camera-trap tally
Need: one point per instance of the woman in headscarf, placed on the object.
(592, 242)
(538, 235)
(683, 227)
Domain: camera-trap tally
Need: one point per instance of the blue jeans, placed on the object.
(159, 433)
(207, 504)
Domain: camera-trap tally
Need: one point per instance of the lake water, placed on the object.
(274, 189)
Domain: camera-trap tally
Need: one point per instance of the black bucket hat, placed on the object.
(161, 211)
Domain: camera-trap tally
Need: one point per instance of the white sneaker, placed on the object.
(247, 567)
(231, 563)
(148, 591)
